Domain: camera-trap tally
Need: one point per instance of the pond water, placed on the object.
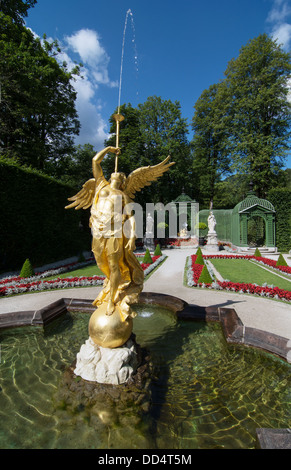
(205, 394)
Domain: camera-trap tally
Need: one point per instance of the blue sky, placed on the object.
(173, 49)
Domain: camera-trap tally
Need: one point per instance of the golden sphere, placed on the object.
(109, 331)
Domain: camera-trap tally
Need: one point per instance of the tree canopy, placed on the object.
(16, 9)
(148, 134)
(210, 144)
(241, 125)
(257, 82)
(38, 118)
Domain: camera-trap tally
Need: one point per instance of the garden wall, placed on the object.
(33, 221)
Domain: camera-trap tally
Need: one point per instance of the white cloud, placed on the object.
(84, 89)
(279, 19)
(94, 74)
(279, 12)
(93, 125)
(282, 33)
(87, 45)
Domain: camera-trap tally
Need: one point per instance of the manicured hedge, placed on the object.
(281, 198)
(33, 221)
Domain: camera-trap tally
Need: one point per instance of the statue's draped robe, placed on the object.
(132, 276)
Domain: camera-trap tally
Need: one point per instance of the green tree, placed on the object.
(74, 168)
(165, 132)
(130, 142)
(38, 118)
(16, 9)
(210, 142)
(230, 191)
(284, 178)
(257, 83)
(148, 135)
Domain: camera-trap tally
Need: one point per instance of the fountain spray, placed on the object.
(118, 117)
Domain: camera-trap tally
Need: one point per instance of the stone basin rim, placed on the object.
(234, 330)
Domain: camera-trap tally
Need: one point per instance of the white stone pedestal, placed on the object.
(106, 365)
(148, 241)
(212, 242)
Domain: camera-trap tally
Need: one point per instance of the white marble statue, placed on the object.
(149, 224)
(211, 222)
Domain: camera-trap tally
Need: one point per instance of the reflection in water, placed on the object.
(205, 394)
(145, 313)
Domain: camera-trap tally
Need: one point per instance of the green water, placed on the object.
(205, 394)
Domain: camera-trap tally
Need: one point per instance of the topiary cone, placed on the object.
(27, 269)
(205, 276)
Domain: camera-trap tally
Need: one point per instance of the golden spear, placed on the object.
(118, 118)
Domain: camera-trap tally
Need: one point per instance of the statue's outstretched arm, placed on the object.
(97, 170)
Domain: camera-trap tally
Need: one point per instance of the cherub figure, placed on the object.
(112, 246)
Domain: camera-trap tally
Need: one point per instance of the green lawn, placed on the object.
(91, 270)
(239, 270)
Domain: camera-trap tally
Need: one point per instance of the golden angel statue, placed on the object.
(112, 246)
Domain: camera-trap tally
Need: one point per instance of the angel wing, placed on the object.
(84, 198)
(144, 176)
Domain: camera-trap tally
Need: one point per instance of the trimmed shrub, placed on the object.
(158, 251)
(257, 252)
(199, 259)
(198, 251)
(202, 226)
(205, 276)
(27, 269)
(147, 259)
(281, 261)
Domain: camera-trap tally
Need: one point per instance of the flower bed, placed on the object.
(147, 265)
(272, 264)
(150, 267)
(25, 285)
(194, 271)
(17, 285)
(12, 280)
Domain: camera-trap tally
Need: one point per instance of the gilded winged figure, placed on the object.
(112, 246)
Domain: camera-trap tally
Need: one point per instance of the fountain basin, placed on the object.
(234, 330)
(185, 394)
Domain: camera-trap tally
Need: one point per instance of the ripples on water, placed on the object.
(205, 394)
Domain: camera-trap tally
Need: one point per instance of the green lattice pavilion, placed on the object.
(232, 225)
